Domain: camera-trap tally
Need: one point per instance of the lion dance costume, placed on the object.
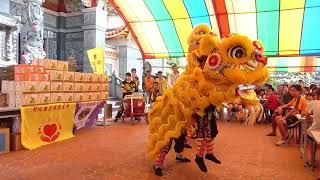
(216, 67)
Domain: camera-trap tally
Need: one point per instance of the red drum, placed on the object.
(134, 105)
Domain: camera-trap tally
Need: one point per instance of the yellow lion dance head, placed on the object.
(215, 69)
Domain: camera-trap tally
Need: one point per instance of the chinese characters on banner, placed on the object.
(96, 58)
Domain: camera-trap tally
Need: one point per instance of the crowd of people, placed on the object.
(151, 86)
(286, 103)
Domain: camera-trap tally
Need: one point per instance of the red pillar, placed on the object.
(93, 3)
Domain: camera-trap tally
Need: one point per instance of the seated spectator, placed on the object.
(272, 103)
(305, 91)
(233, 107)
(299, 104)
(262, 94)
(241, 114)
(310, 97)
(286, 96)
(313, 88)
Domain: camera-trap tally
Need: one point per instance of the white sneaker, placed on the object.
(281, 142)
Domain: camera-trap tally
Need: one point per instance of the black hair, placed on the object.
(133, 69)
(155, 82)
(174, 65)
(270, 87)
(128, 74)
(297, 87)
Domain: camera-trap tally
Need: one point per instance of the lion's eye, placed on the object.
(236, 52)
(201, 32)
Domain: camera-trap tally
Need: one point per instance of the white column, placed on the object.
(32, 31)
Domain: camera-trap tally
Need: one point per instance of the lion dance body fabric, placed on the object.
(215, 69)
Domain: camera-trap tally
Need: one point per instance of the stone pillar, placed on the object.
(94, 29)
(32, 31)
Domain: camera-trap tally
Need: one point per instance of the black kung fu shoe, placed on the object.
(157, 170)
(211, 157)
(200, 163)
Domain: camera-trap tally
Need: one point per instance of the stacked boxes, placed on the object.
(48, 81)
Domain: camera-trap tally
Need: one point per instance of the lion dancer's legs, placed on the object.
(160, 158)
(209, 154)
(201, 149)
(179, 147)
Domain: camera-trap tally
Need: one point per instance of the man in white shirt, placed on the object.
(173, 77)
(313, 108)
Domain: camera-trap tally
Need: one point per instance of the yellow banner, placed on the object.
(96, 58)
(46, 124)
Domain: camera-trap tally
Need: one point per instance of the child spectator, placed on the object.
(154, 92)
(162, 82)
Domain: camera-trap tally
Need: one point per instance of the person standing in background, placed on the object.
(173, 77)
(162, 83)
(135, 78)
(147, 84)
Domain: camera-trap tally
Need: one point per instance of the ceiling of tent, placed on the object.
(161, 27)
(294, 64)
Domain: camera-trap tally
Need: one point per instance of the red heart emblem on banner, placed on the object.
(50, 130)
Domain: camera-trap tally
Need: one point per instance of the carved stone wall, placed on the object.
(15, 8)
(74, 47)
(32, 31)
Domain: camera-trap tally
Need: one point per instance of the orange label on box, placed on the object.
(31, 86)
(104, 95)
(105, 78)
(89, 96)
(79, 97)
(79, 77)
(44, 86)
(104, 87)
(29, 99)
(55, 75)
(50, 64)
(38, 69)
(88, 77)
(68, 86)
(96, 86)
(79, 87)
(44, 98)
(89, 87)
(68, 76)
(56, 97)
(68, 97)
(63, 65)
(56, 86)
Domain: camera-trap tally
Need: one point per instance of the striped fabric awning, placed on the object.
(294, 64)
(161, 27)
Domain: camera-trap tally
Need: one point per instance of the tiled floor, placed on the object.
(118, 152)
